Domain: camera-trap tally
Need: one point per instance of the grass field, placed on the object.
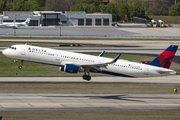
(85, 88)
(167, 19)
(93, 115)
(82, 38)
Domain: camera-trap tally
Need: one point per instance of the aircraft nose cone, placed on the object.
(4, 52)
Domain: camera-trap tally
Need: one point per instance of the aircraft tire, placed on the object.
(84, 77)
(88, 78)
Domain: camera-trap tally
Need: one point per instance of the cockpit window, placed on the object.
(14, 48)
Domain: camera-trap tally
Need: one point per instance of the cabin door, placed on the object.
(58, 56)
(146, 70)
(23, 50)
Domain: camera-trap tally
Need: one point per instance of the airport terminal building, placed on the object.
(52, 18)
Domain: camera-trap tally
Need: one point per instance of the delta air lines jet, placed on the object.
(16, 24)
(75, 62)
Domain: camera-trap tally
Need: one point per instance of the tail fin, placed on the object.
(27, 21)
(165, 58)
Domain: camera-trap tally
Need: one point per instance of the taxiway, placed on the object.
(60, 101)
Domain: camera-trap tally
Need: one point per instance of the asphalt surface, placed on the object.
(93, 31)
(167, 80)
(65, 31)
(62, 101)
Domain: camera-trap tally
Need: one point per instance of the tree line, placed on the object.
(125, 8)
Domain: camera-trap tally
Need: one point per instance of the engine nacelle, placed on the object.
(69, 68)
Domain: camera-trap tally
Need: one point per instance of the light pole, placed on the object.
(83, 7)
(60, 23)
(14, 27)
(116, 12)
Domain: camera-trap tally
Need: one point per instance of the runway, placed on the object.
(174, 79)
(60, 101)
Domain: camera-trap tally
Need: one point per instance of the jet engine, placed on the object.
(69, 68)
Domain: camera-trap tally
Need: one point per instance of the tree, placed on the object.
(2, 5)
(89, 8)
(41, 4)
(78, 7)
(20, 5)
(33, 5)
(95, 3)
(123, 10)
(119, 1)
(111, 9)
(140, 3)
(174, 10)
(60, 5)
(136, 11)
(158, 7)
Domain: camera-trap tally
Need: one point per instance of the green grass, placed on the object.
(79, 38)
(92, 115)
(10, 68)
(167, 19)
(85, 88)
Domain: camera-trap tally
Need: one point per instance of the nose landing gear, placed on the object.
(20, 67)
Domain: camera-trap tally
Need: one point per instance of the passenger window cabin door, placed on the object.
(58, 54)
(23, 50)
(146, 70)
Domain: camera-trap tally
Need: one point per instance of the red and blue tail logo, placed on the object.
(165, 58)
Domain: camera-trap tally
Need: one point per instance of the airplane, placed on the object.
(72, 62)
(16, 24)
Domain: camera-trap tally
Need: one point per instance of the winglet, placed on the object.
(0, 117)
(117, 57)
(100, 55)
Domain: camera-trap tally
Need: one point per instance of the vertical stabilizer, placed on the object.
(165, 58)
(27, 22)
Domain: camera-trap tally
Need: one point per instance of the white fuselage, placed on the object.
(12, 24)
(59, 58)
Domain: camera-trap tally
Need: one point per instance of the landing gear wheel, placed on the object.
(20, 67)
(88, 78)
(84, 77)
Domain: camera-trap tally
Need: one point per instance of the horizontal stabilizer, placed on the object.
(171, 72)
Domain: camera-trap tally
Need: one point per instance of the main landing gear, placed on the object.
(86, 77)
(20, 67)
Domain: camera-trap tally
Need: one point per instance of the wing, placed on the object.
(97, 66)
(91, 66)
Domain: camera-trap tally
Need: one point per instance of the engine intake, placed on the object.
(69, 68)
